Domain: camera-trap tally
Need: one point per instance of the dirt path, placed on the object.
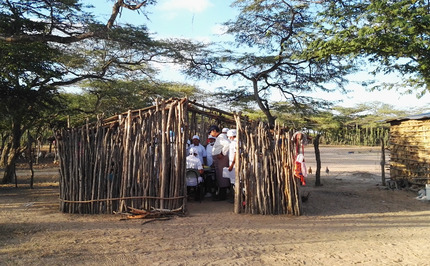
(351, 219)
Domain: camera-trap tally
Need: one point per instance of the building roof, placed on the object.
(412, 117)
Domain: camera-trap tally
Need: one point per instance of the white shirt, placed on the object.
(194, 163)
(232, 151)
(209, 158)
(201, 150)
(222, 145)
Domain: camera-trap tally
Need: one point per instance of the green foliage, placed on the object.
(272, 40)
(25, 69)
(110, 98)
(239, 99)
(298, 115)
(115, 97)
(47, 45)
(363, 124)
(393, 34)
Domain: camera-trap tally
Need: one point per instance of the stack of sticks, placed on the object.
(152, 215)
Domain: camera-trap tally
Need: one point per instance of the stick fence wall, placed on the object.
(137, 159)
(410, 150)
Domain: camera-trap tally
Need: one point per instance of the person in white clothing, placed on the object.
(230, 171)
(231, 134)
(188, 144)
(209, 159)
(221, 145)
(210, 178)
(193, 162)
(220, 157)
(201, 150)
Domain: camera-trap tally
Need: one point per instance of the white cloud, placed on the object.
(194, 6)
(219, 29)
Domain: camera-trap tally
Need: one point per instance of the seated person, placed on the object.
(201, 150)
(193, 162)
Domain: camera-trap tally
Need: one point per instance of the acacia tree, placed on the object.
(272, 40)
(46, 45)
(113, 97)
(391, 34)
(24, 93)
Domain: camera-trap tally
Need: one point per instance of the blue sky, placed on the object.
(201, 20)
(196, 19)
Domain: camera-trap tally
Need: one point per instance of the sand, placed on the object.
(351, 219)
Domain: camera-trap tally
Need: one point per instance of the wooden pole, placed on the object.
(164, 156)
(237, 183)
(30, 158)
(318, 160)
(383, 161)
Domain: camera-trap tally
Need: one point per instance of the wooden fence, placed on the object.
(266, 175)
(137, 159)
(410, 150)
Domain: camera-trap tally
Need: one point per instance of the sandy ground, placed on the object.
(351, 219)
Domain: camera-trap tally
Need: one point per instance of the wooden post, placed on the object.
(164, 155)
(383, 161)
(30, 158)
(238, 189)
(318, 160)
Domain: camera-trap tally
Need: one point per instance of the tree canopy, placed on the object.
(272, 40)
(394, 35)
(47, 45)
(286, 48)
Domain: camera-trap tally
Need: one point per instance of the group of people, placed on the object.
(219, 153)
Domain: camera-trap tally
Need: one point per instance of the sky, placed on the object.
(201, 20)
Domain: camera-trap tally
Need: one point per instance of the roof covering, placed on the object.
(412, 117)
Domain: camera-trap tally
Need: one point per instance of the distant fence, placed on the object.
(358, 136)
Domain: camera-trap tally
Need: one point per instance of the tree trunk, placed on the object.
(318, 160)
(4, 137)
(270, 118)
(4, 154)
(30, 158)
(38, 148)
(9, 172)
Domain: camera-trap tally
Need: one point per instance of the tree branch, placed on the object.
(48, 38)
(117, 8)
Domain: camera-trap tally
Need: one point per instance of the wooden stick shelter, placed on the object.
(410, 149)
(137, 159)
